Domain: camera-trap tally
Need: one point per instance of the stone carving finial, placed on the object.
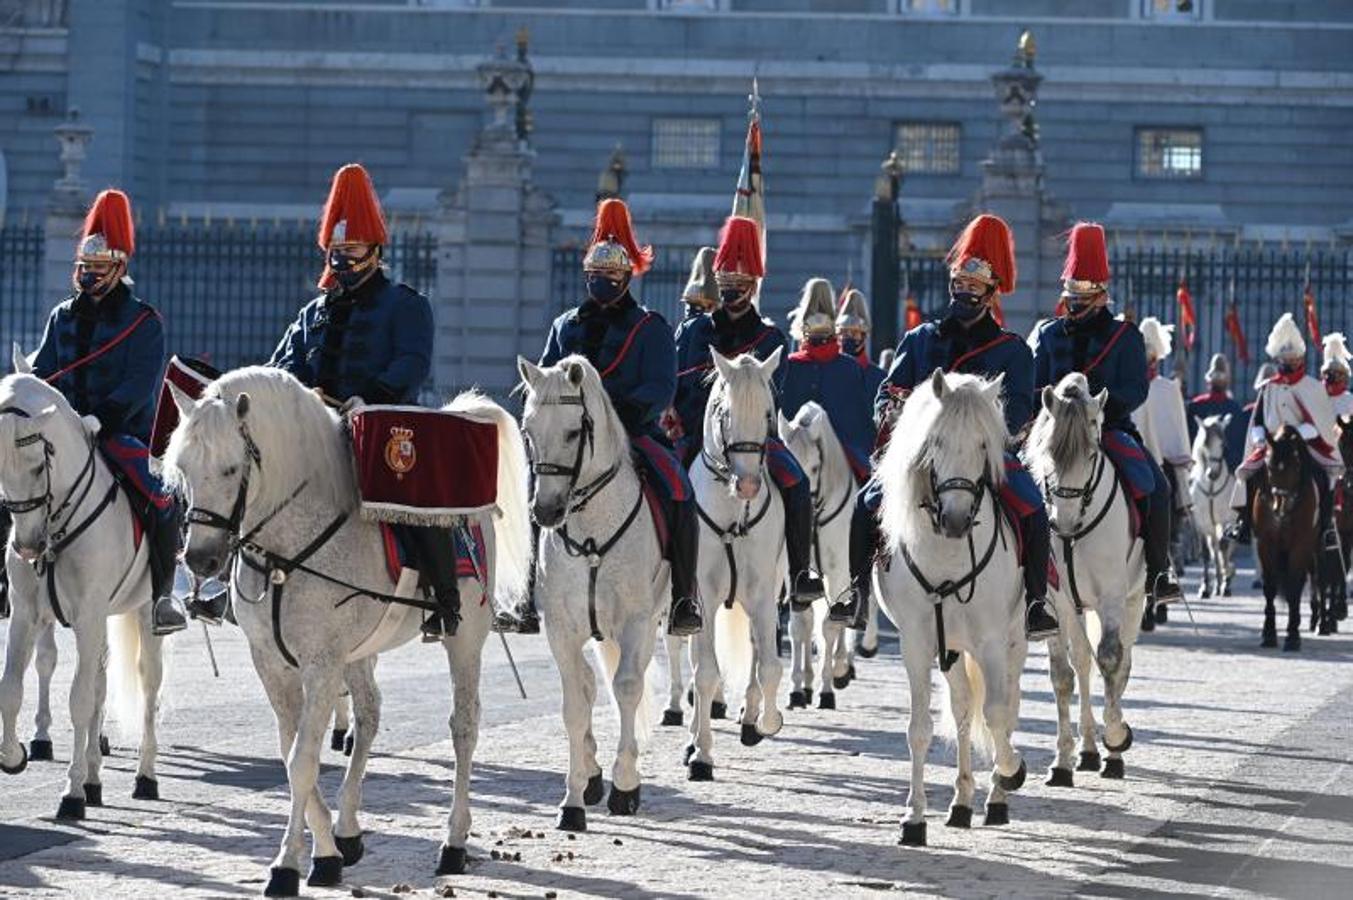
(74, 137)
(503, 79)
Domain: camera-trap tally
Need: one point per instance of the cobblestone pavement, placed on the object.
(1238, 785)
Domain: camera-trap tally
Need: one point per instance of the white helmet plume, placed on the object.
(1336, 352)
(1285, 340)
(1157, 337)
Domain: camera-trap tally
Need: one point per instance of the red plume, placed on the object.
(914, 316)
(987, 237)
(352, 200)
(111, 216)
(1087, 256)
(613, 224)
(740, 248)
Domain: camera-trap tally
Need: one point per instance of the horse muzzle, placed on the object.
(746, 487)
(205, 562)
(548, 515)
(955, 523)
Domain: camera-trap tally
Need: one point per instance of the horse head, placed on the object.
(44, 447)
(1063, 450)
(573, 436)
(803, 435)
(1209, 447)
(738, 421)
(1345, 426)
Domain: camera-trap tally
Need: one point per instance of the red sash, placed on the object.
(1094, 363)
(100, 351)
(625, 347)
(953, 367)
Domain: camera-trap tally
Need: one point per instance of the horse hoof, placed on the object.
(997, 814)
(1162, 614)
(146, 789)
(1148, 621)
(22, 764)
(808, 696)
(1059, 777)
(1270, 639)
(348, 745)
(718, 710)
(40, 751)
(325, 871)
(623, 803)
(867, 652)
(1226, 591)
(596, 789)
(1123, 747)
(1090, 761)
(453, 860)
(1205, 593)
(1292, 642)
(841, 682)
(673, 718)
(337, 739)
(826, 701)
(1012, 783)
(283, 883)
(352, 849)
(571, 818)
(798, 700)
(71, 808)
(1113, 768)
(700, 771)
(105, 748)
(959, 817)
(913, 834)
(750, 736)
(93, 794)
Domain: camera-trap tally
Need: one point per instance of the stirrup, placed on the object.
(1049, 628)
(845, 609)
(212, 610)
(688, 628)
(523, 620)
(163, 624)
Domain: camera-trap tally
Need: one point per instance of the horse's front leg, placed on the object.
(23, 633)
(836, 661)
(766, 673)
(1063, 678)
(343, 712)
(1115, 664)
(1000, 708)
(465, 653)
(916, 653)
(93, 752)
(45, 664)
(800, 656)
(705, 663)
(364, 694)
(91, 642)
(629, 688)
(961, 708)
(578, 686)
(676, 684)
(150, 669)
(1082, 657)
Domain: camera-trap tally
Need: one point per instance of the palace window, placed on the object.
(1171, 10)
(685, 143)
(928, 7)
(1169, 153)
(928, 148)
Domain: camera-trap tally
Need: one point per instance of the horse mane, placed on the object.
(556, 384)
(1059, 441)
(747, 394)
(298, 437)
(966, 420)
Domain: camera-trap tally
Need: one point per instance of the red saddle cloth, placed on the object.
(423, 466)
(188, 375)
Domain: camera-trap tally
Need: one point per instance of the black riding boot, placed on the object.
(1039, 621)
(4, 573)
(436, 548)
(1242, 529)
(685, 618)
(805, 585)
(1161, 586)
(864, 542)
(1331, 567)
(166, 532)
(525, 619)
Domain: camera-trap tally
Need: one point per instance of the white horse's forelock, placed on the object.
(745, 393)
(966, 427)
(1057, 442)
(299, 438)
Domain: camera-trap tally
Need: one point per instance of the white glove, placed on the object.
(1307, 431)
(1257, 435)
(91, 423)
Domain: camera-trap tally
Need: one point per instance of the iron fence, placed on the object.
(659, 289)
(22, 312)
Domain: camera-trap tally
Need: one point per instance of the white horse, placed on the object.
(70, 560)
(812, 440)
(271, 478)
(742, 557)
(679, 685)
(601, 573)
(1211, 482)
(952, 584)
(1100, 596)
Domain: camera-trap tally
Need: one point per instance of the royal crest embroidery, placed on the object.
(400, 454)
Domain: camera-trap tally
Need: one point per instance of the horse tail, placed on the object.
(646, 714)
(512, 529)
(733, 646)
(126, 699)
(977, 694)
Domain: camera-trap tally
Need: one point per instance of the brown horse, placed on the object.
(1285, 513)
(1343, 508)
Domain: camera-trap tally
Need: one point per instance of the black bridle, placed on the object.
(1283, 500)
(975, 488)
(1085, 494)
(231, 524)
(721, 467)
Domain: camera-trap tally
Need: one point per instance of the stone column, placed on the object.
(1013, 188)
(66, 207)
(493, 264)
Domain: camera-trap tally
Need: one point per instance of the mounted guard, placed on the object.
(733, 329)
(633, 350)
(968, 340)
(1109, 351)
(1218, 401)
(701, 297)
(368, 340)
(1334, 372)
(853, 325)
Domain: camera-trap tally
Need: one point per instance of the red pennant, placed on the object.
(914, 317)
(1237, 334)
(1188, 321)
(1312, 319)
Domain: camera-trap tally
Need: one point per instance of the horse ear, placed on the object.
(772, 362)
(186, 405)
(937, 382)
(1049, 398)
(783, 426)
(576, 374)
(1199, 424)
(530, 372)
(1226, 421)
(21, 364)
(241, 406)
(722, 364)
(1101, 400)
(994, 387)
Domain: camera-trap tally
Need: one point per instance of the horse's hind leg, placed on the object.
(920, 730)
(1063, 678)
(45, 664)
(465, 653)
(1000, 662)
(365, 696)
(338, 738)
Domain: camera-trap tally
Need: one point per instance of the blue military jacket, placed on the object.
(375, 342)
(839, 384)
(121, 384)
(1220, 403)
(983, 349)
(631, 348)
(1108, 351)
(698, 338)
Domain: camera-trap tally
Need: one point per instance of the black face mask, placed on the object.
(967, 305)
(604, 290)
(851, 346)
(735, 300)
(351, 271)
(89, 280)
